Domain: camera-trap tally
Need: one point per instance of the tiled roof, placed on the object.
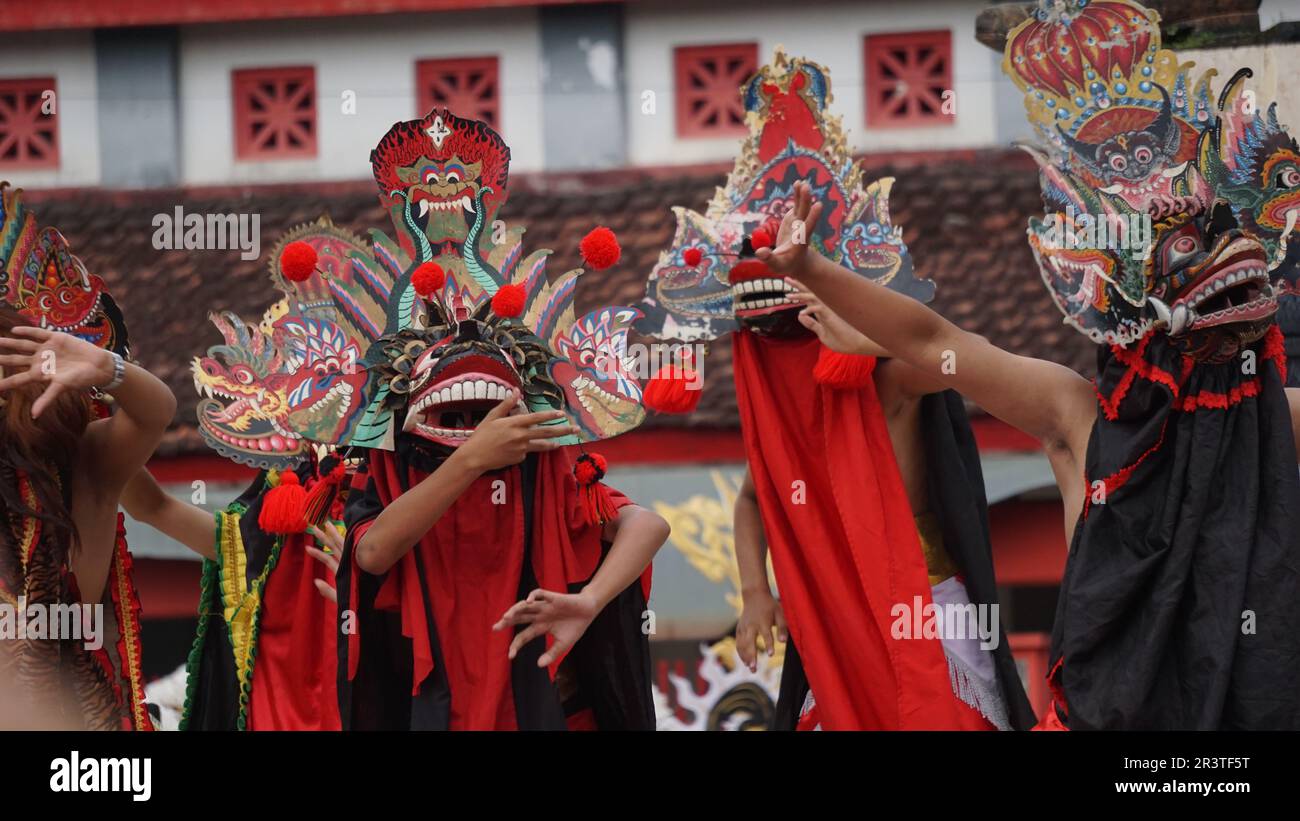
(963, 216)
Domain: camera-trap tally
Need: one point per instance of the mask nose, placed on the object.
(1221, 222)
(468, 331)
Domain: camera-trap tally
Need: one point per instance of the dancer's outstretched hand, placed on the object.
(565, 616)
(761, 618)
(57, 360)
(790, 256)
(332, 539)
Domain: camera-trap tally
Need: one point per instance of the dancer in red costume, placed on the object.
(863, 479)
(490, 579)
(293, 681)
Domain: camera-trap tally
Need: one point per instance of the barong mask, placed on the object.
(1140, 229)
(425, 335)
(708, 282)
(469, 316)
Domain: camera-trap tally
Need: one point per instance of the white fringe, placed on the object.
(980, 695)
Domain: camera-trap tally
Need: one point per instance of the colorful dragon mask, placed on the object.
(242, 412)
(45, 282)
(707, 283)
(423, 336)
(1146, 226)
(274, 387)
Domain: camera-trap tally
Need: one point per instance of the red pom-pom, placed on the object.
(597, 506)
(428, 279)
(761, 238)
(298, 261)
(845, 371)
(284, 508)
(600, 248)
(692, 256)
(589, 469)
(674, 389)
(508, 302)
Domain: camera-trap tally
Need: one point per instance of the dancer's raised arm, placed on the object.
(148, 503)
(1048, 401)
(113, 449)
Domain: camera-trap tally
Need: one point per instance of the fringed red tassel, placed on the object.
(284, 509)
(845, 371)
(673, 389)
(597, 507)
(322, 494)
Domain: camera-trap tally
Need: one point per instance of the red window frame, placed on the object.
(907, 75)
(275, 112)
(707, 81)
(29, 138)
(469, 86)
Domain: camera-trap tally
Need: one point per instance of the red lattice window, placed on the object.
(469, 86)
(907, 77)
(708, 81)
(29, 123)
(275, 112)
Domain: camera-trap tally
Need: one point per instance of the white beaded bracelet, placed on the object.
(119, 373)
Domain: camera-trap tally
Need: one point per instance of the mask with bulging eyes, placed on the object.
(1211, 283)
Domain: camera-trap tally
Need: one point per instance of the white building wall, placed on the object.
(1274, 68)
(831, 33)
(375, 58)
(70, 58)
(1272, 12)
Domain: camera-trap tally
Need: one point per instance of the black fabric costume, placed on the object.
(212, 702)
(1179, 607)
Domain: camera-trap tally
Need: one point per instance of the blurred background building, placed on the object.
(614, 112)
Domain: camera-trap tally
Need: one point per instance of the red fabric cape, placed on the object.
(471, 560)
(844, 544)
(294, 686)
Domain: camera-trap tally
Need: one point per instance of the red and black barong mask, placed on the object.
(709, 283)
